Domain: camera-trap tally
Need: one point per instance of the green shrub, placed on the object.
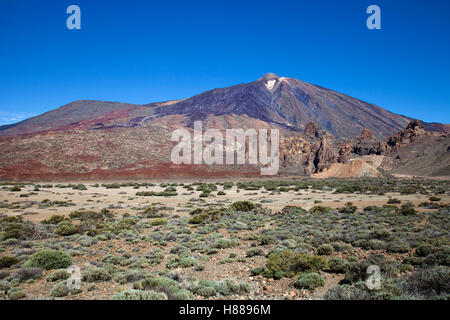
(60, 274)
(4, 285)
(320, 210)
(96, 275)
(15, 189)
(158, 222)
(244, 206)
(206, 291)
(347, 292)
(337, 265)
(60, 289)
(16, 294)
(49, 259)
(7, 261)
(66, 229)
(310, 281)
(429, 282)
(223, 243)
(398, 246)
(324, 250)
(176, 262)
(289, 264)
(293, 210)
(254, 252)
(357, 271)
(164, 285)
(227, 287)
(348, 208)
(54, 219)
(134, 294)
(407, 209)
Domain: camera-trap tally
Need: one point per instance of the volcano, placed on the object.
(96, 139)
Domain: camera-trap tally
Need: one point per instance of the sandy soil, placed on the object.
(123, 199)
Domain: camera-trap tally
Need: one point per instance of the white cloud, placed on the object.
(13, 117)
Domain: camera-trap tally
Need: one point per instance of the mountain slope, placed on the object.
(292, 103)
(285, 102)
(319, 128)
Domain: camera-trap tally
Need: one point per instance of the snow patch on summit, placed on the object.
(270, 84)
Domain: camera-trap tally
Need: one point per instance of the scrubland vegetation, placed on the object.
(230, 250)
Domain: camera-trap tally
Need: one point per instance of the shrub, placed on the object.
(433, 198)
(164, 285)
(425, 250)
(223, 243)
(310, 281)
(357, 271)
(394, 201)
(347, 292)
(429, 282)
(227, 287)
(54, 219)
(176, 262)
(49, 259)
(254, 252)
(257, 271)
(244, 206)
(206, 291)
(199, 218)
(7, 261)
(60, 274)
(4, 285)
(337, 265)
(407, 209)
(60, 289)
(66, 229)
(134, 294)
(158, 222)
(15, 189)
(398, 246)
(289, 264)
(16, 294)
(293, 210)
(320, 209)
(24, 274)
(348, 208)
(96, 275)
(129, 276)
(324, 250)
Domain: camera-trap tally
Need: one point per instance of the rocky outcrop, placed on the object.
(414, 130)
(362, 167)
(294, 151)
(312, 129)
(363, 143)
(325, 156)
(344, 152)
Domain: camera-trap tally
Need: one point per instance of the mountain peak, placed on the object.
(269, 76)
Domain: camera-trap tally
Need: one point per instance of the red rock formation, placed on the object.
(344, 152)
(325, 156)
(414, 130)
(312, 130)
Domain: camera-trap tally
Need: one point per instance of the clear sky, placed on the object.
(145, 51)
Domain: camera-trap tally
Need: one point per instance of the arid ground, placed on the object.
(294, 239)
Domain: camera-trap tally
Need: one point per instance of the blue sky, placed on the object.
(145, 51)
